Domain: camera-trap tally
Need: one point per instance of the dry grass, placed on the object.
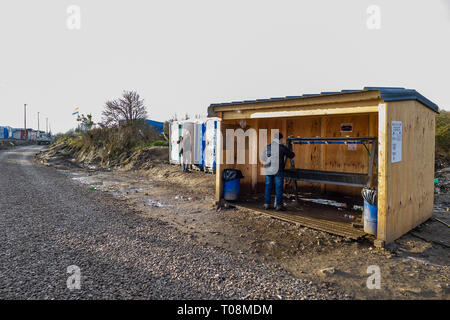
(110, 145)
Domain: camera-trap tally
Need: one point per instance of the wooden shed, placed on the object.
(378, 137)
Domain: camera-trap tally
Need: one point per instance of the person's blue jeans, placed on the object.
(279, 180)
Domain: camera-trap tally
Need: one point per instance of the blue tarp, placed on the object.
(156, 124)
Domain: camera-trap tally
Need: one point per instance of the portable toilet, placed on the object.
(188, 146)
(209, 153)
(199, 143)
(174, 135)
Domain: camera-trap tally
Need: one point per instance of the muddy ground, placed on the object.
(416, 266)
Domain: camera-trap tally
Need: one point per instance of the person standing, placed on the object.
(181, 153)
(186, 141)
(274, 159)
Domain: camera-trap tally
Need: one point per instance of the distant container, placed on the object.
(175, 132)
(17, 134)
(3, 133)
(210, 148)
(6, 132)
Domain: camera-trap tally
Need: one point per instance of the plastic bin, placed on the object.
(370, 218)
(232, 184)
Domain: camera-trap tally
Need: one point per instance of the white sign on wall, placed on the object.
(396, 141)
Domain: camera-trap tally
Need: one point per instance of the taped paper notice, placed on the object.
(396, 141)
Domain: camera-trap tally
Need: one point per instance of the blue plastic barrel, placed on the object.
(370, 218)
(231, 189)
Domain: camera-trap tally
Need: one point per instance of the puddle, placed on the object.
(333, 203)
(88, 180)
(178, 197)
(135, 190)
(156, 203)
(153, 203)
(326, 202)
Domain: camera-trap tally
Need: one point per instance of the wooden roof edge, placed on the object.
(341, 97)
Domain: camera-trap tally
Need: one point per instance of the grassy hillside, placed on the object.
(110, 146)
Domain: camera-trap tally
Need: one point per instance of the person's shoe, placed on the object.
(280, 208)
(267, 206)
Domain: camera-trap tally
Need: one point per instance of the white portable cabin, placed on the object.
(210, 147)
(174, 148)
(200, 142)
(188, 131)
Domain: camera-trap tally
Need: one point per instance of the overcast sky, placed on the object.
(183, 55)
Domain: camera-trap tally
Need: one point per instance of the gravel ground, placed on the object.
(51, 223)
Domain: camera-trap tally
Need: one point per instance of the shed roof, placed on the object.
(386, 93)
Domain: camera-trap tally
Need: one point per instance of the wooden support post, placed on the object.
(371, 160)
(323, 149)
(254, 167)
(294, 182)
(383, 147)
(219, 161)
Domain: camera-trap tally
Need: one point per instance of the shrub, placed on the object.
(443, 133)
(160, 143)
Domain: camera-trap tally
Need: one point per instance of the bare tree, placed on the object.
(129, 108)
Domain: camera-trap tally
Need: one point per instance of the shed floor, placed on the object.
(325, 214)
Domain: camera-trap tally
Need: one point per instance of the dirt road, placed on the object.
(416, 266)
(51, 222)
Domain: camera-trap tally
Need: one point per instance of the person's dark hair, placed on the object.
(278, 136)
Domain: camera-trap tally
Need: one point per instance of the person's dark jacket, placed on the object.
(269, 157)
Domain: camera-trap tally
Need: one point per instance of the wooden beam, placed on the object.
(318, 100)
(318, 110)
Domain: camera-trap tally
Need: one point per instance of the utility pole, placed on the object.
(25, 120)
(38, 122)
(46, 125)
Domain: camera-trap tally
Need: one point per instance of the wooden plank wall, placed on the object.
(320, 157)
(406, 187)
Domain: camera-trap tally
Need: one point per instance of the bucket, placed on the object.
(231, 189)
(370, 218)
